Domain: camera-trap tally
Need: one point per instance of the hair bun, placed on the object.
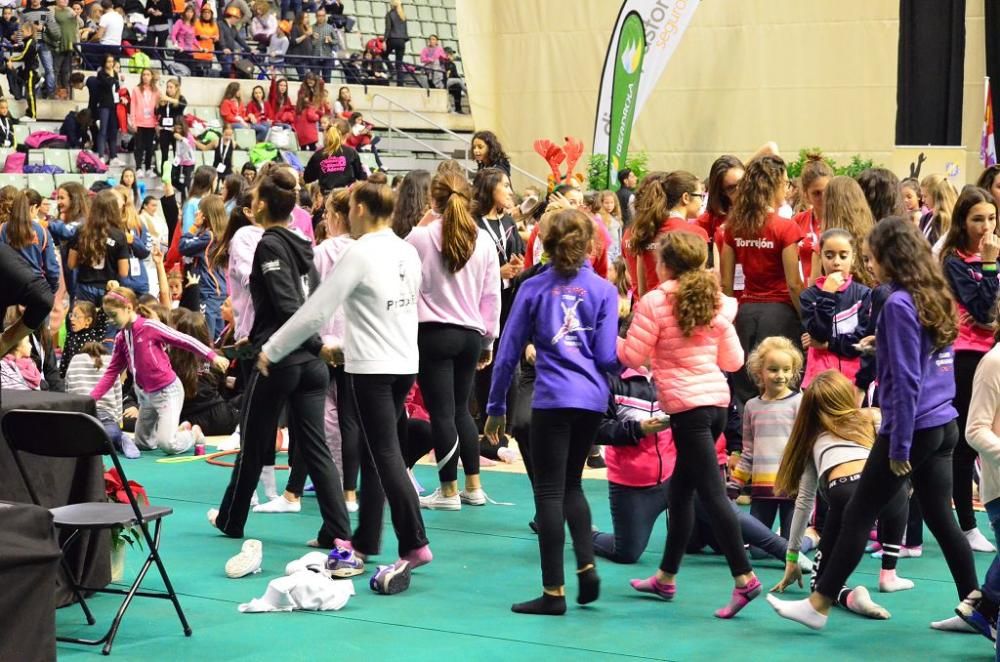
(814, 156)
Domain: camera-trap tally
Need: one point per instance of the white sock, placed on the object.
(267, 480)
(978, 541)
(890, 582)
(279, 505)
(953, 624)
(860, 602)
(798, 610)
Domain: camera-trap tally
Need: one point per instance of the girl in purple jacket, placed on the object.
(570, 314)
(141, 348)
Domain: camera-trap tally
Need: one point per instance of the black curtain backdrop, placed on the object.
(993, 51)
(931, 71)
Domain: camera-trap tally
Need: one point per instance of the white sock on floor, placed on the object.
(978, 541)
(267, 480)
(953, 624)
(279, 505)
(890, 582)
(798, 610)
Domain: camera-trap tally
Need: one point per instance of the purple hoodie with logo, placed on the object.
(573, 323)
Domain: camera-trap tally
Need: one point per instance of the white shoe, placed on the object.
(117, 163)
(230, 443)
(27, 119)
(279, 505)
(978, 541)
(508, 455)
(438, 501)
(352, 506)
(247, 562)
(475, 497)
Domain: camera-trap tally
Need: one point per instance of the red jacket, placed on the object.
(305, 126)
(232, 112)
(259, 110)
(283, 112)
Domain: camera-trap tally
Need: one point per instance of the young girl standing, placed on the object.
(99, 251)
(459, 312)
(916, 386)
(145, 100)
(32, 241)
(684, 327)
(775, 366)
(826, 453)
(845, 208)
(835, 310)
(209, 226)
(140, 348)
(570, 315)
(969, 258)
(939, 196)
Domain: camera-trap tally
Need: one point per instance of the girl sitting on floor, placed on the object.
(85, 371)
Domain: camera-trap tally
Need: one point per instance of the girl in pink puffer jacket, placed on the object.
(684, 329)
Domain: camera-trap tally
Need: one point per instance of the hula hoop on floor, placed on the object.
(210, 459)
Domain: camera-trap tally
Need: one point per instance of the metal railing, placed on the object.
(467, 141)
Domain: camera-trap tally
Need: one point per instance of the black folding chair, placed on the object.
(74, 434)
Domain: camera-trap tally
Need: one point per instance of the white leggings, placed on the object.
(159, 417)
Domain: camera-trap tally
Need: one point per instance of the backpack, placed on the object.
(15, 163)
(292, 159)
(138, 62)
(178, 69)
(262, 153)
(40, 169)
(39, 139)
(88, 162)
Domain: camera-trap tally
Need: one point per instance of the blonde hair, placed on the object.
(398, 6)
(942, 196)
(755, 364)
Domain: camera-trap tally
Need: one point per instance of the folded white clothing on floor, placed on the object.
(306, 586)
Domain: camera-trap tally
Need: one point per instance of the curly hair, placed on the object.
(763, 181)
(881, 189)
(845, 208)
(755, 362)
(494, 150)
(650, 210)
(567, 240)
(904, 258)
(957, 238)
(696, 301)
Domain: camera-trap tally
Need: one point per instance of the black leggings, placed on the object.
(302, 387)
(963, 464)
(930, 457)
(559, 498)
(755, 322)
(350, 431)
(448, 357)
(145, 148)
(697, 470)
(379, 400)
(166, 141)
(767, 511)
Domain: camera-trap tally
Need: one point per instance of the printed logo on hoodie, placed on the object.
(571, 323)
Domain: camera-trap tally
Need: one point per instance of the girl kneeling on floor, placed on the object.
(141, 349)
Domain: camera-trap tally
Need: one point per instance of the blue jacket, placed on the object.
(40, 254)
(829, 316)
(573, 323)
(137, 279)
(195, 248)
(916, 383)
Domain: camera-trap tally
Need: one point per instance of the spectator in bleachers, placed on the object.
(206, 32)
(361, 137)
(396, 36)
(278, 46)
(487, 152)
(76, 126)
(46, 40)
(300, 45)
(129, 181)
(223, 161)
(234, 113)
(279, 104)
(169, 113)
(454, 82)
(7, 122)
(246, 15)
(145, 100)
(376, 47)
(91, 17)
(26, 74)
(306, 117)
(183, 164)
(184, 38)
(108, 37)
(257, 111)
(264, 24)
(373, 69)
(104, 88)
(10, 29)
(340, 20)
(335, 166)
(248, 172)
(231, 41)
(324, 44)
(160, 13)
(64, 46)
(433, 57)
(342, 107)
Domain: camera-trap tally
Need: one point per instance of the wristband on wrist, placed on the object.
(792, 557)
(990, 266)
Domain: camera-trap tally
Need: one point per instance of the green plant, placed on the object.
(856, 166)
(597, 169)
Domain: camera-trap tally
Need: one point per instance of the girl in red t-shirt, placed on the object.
(816, 174)
(767, 247)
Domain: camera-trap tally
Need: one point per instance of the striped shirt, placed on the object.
(767, 425)
(82, 377)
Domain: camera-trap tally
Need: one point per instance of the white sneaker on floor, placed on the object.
(247, 562)
(352, 506)
(279, 504)
(978, 541)
(27, 119)
(438, 501)
(117, 163)
(475, 497)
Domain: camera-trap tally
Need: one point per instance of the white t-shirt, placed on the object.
(113, 24)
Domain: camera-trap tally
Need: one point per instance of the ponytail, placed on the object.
(696, 301)
(451, 194)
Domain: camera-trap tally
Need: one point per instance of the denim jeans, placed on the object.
(991, 585)
(107, 135)
(45, 56)
(159, 416)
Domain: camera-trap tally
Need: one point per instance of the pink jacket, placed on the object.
(142, 349)
(469, 298)
(241, 250)
(302, 221)
(688, 371)
(144, 108)
(325, 256)
(182, 35)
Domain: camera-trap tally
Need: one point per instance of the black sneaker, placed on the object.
(596, 462)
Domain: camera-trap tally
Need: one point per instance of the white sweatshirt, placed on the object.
(377, 280)
(982, 429)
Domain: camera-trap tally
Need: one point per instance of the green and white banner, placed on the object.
(645, 37)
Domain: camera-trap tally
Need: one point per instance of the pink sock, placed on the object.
(655, 586)
(741, 598)
(347, 544)
(419, 556)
